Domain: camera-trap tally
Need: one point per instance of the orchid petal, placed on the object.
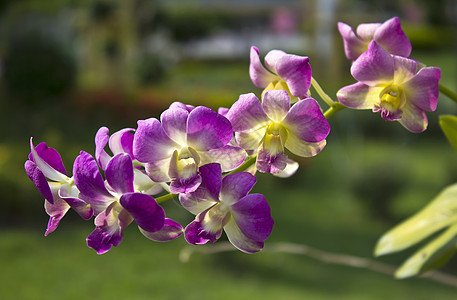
(143, 183)
(306, 120)
(252, 215)
(247, 113)
(158, 170)
(375, 66)
(48, 161)
(359, 96)
(366, 31)
(151, 143)
(353, 46)
(250, 140)
(301, 148)
(184, 173)
(239, 240)
(101, 139)
(122, 141)
(56, 212)
(229, 157)
(289, 170)
(276, 104)
(174, 122)
(206, 129)
(39, 180)
(413, 118)
(196, 234)
(110, 226)
(272, 58)
(423, 88)
(296, 72)
(404, 69)
(390, 36)
(90, 182)
(70, 193)
(119, 173)
(260, 76)
(270, 163)
(236, 186)
(144, 209)
(170, 230)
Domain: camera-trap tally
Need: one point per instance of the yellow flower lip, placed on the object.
(392, 98)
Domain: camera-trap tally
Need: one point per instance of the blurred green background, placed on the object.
(68, 67)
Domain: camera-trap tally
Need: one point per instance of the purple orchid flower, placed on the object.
(388, 35)
(396, 87)
(272, 126)
(285, 72)
(224, 203)
(116, 203)
(185, 139)
(47, 172)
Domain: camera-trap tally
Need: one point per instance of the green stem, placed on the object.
(333, 109)
(166, 197)
(448, 92)
(247, 163)
(321, 93)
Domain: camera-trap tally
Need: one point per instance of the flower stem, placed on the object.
(321, 93)
(333, 109)
(166, 197)
(246, 164)
(448, 92)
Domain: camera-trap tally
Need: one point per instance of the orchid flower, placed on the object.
(47, 172)
(285, 72)
(185, 139)
(388, 35)
(272, 125)
(224, 203)
(116, 203)
(395, 86)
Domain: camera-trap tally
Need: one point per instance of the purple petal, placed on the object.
(56, 212)
(276, 104)
(174, 122)
(375, 66)
(39, 180)
(359, 96)
(144, 209)
(239, 240)
(222, 111)
(306, 121)
(236, 186)
(272, 58)
(423, 88)
(366, 31)
(206, 129)
(260, 76)
(90, 182)
(196, 234)
(110, 226)
(151, 143)
(119, 173)
(185, 185)
(404, 69)
(49, 155)
(101, 139)
(208, 191)
(291, 168)
(184, 173)
(252, 214)
(391, 37)
(170, 230)
(247, 113)
(413, 118)
(70, 194)
(268, 163)
(296, 72)
(353, 46)
(229, 157)
(48, 161)
(122, 141)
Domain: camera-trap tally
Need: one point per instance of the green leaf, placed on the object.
(432, 256)
(440, 213)
(448, 124)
